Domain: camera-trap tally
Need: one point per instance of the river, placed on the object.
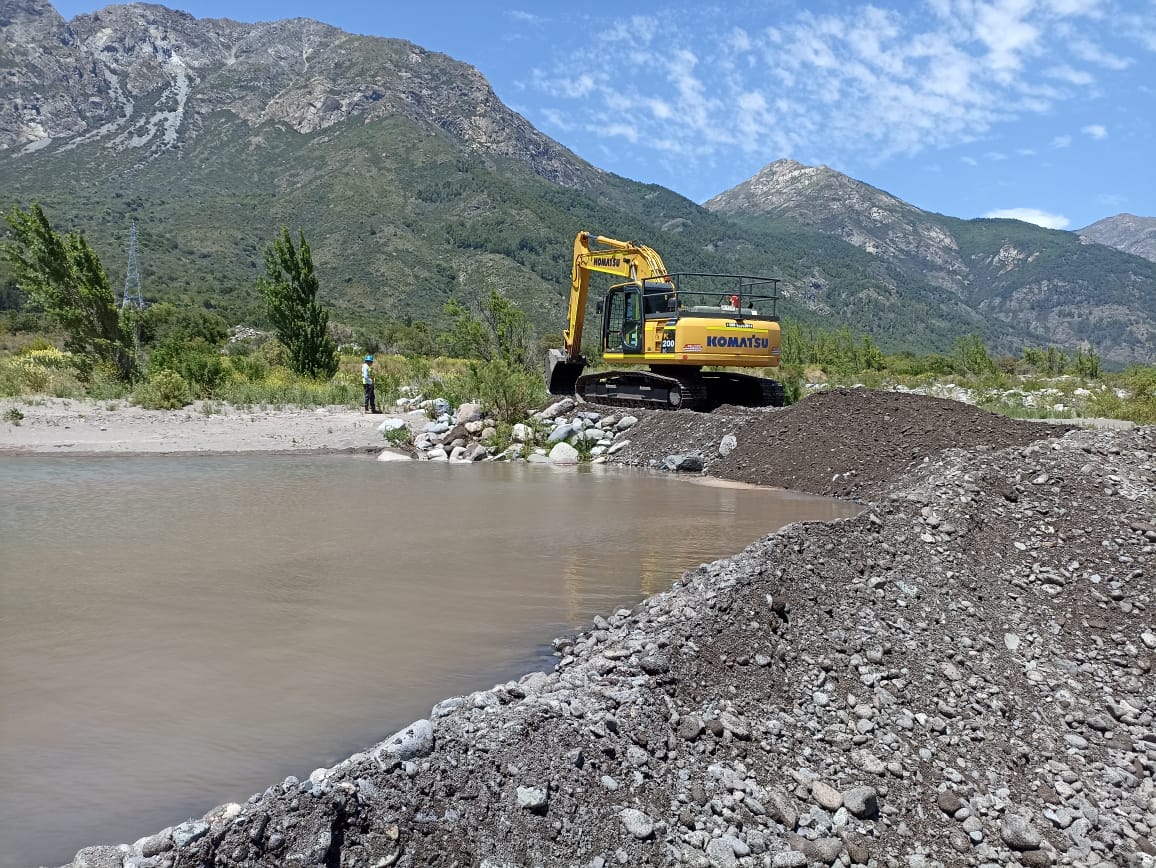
(176, 633)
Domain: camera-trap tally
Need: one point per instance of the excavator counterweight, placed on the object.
(667, 327)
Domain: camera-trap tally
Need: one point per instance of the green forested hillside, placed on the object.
(402, 220)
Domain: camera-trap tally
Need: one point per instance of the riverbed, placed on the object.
(180, 632)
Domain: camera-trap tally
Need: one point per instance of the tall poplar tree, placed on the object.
(289, 288)
(64, 276)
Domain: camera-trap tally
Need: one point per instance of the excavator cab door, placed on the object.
(622, 320)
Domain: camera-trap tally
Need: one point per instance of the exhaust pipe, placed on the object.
(562, 372)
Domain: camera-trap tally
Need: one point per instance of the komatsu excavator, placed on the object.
(676, 324)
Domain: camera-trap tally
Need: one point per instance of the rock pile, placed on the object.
(459, 436)
(962, 675)
(558, 434)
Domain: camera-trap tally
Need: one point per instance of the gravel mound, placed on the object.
(962, 675)
(842, 442)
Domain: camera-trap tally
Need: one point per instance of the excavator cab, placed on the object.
(622, 319)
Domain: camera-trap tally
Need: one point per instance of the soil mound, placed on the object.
(843, 442)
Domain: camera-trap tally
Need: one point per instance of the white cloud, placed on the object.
(1097, 131)
(740, 41)
(1063, 72)
(1085, 49)
(566, 87)
(1026, 152)
(523, 17)
(971, 161)
(859, 84)
(1032, 215)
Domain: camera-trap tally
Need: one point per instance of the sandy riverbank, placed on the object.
(64, 426)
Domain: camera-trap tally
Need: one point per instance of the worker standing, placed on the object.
(367, 382)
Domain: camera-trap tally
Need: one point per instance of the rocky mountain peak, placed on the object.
(27, 21)
(834, 203)
(24, 11)
(1127, 232)
(785, 185)
(142, 79)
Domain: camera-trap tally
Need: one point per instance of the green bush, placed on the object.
(164, 390)
(282, 387)
(249, 368)
(37, 344)
(162, 323)
(584, 448)
(502, 438)
(399, 437)
(275, 354)
(791, 376)
(198, 363)
(508, 391)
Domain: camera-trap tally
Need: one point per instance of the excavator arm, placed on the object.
(594, 253)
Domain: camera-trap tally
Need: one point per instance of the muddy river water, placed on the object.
(176, 633)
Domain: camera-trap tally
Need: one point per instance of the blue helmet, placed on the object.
(369, 358)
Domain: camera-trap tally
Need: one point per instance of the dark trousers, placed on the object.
(370, 400)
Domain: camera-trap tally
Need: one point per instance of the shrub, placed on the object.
(13, 416)
(164, 390)
(792, 378)
(274, 353)
(502, 438)
(249, 368)
(584, 448)
(198, 363)
(46, 357)
(37, 344)
(508, 391)
(399, 437)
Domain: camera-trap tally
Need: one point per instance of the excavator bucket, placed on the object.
(562, 372)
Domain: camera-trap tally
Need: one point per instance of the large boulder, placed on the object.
(683, 463)
(557, 409)
(563, 453)
(562, 432)
(416, 740)
(476, 452)
(625, 423)
(389, 454)
(469, 413)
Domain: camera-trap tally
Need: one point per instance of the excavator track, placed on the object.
(644, 389)
(743, 390)
(702, 391)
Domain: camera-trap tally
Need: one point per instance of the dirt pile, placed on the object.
(962, 675)
(843, 442)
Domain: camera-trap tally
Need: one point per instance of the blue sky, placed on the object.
(1041, 109)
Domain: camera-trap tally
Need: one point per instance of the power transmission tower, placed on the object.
(132, 296)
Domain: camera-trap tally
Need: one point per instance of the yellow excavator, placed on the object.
(676, 324)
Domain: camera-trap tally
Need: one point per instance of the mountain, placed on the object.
(416, 185)
(1125, 232)
(1046, 285)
